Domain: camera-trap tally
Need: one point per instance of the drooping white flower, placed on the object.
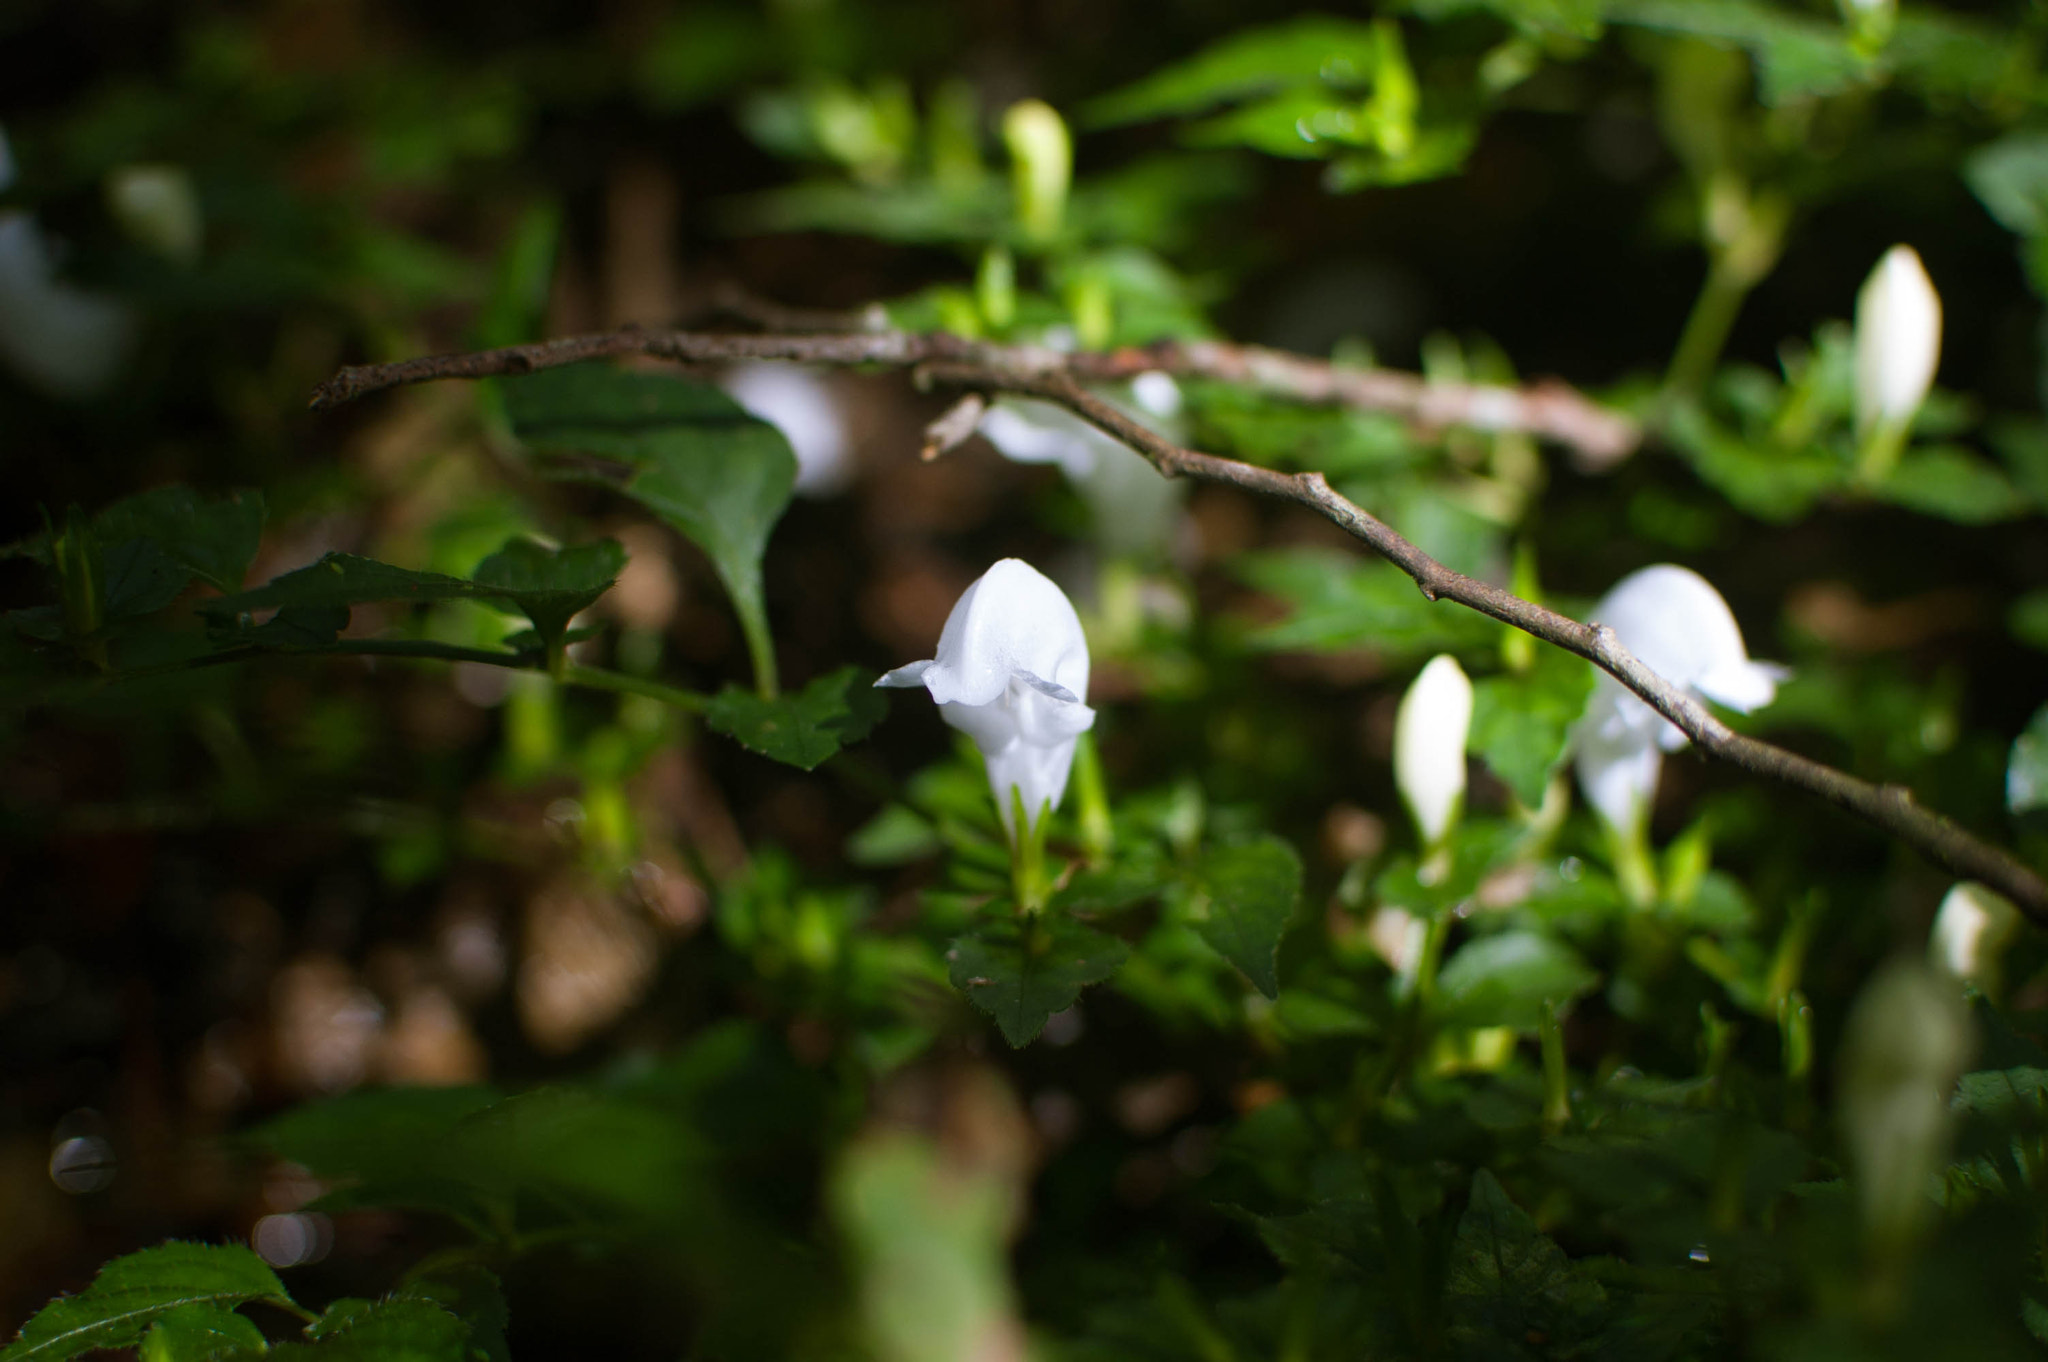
(1678, 626)
(68, 341)
(1898, 340)
(800, 404)
(1012, 674)
(1429, 745)
(1133, 507)
(1970, 932)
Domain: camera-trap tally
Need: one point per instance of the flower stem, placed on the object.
(1706, 332)
(1557, 1097)
(1028, 879)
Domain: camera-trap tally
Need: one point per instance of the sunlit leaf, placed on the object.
(1313, 49)
(1343, 601)
(191, 1333)
(1522, 723)
(133, 1292)
(1504, 980)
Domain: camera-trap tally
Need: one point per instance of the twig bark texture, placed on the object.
(1551, 411)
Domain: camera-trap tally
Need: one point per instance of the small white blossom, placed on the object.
(1898, 340)
(1429, 746)
(800, 404)
(1678, 626)
(69, 341)
(1012, 674)
(1970, 932)
(1133, 507)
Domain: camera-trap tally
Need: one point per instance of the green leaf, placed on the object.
(1764, 480)
(1319, 50)
(2010, 178)
(474, 1295)
(1341, 601)
(1509, 1281)
(138, 577)
(403, 1327)
(686, 451)
(897, 835)
(213, 538)
(1522, 725)
(1504, 980)
(1138, 872)
(550, 585)
(192, 1333)
(1251, 889)
(1796, 57)
(340, 580)
(2026, 773)
(133, 1292)
(836, 709)
(1021, 972)
(1955, 485)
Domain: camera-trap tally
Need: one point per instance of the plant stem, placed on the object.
(1557, 1096)
(623, 683)
(1706, 333)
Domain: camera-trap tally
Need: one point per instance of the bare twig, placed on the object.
(954, 427)
(1597, 435)
(1058, 378)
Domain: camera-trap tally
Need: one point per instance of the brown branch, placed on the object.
(1057, 378)
(1597, 435)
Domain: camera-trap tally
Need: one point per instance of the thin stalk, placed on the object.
(623, 683)
(1557, 1096)
(1706, 332)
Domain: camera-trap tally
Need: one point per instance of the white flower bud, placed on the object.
(1970, 932)
(1907, 1041)
(1898, 340)
(1043, 158)
(1429, 746)
(1678, 626)
(1012, 674)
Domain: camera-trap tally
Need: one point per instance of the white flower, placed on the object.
(1898, 340)
(1678, 626)
(1012, 674)
(1133, 507)
(69, 341)
(799, 404)
(1429, 745)
(1970, 932)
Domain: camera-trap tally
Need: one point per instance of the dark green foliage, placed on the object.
(1022, 971)
(806, 728)
(1248, 892)
(683, 450)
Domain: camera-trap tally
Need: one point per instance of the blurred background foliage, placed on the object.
(455, 987)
